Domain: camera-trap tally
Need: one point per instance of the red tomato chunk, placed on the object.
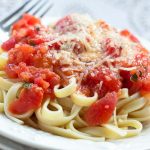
(114, 51)
(101, 111)
(129, 35)
(7, 45)
(63, 24)
(137, 79)
(103, 80)
(30, 98)
(25, 21)
(42, 77)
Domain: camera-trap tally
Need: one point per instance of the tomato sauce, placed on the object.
(103, 80)
(31, 60)
(27, 62)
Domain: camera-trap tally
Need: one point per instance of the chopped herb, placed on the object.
(32, 43)
(134, 78)
(27, 85)
(140, 74)
(17, 95)
(37, 28)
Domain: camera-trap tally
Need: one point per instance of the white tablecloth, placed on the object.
(131, 14)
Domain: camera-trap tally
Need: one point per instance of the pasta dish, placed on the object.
(78, 78)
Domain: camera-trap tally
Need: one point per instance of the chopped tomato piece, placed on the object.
(128, 34)
(126, 81)
(146, 84)
(79, 47)
(141, 60)
(30, 98)
(40, 82)
(25, 21)
(103, 80)
(42, 77)
(134, 82)
(7, 45)
(102, 24)
(31, 32)
(55, 46)
(143, 50)
(31, 20)
(19, 24)
(36, 41)
(133, 85)
(25, 28)
(136, 86)
(136, 79)
(112, 50)
(10, 70)
(22, 53)
(101, 111)
(63, 24)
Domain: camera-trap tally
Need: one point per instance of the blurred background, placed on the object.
(131, 14)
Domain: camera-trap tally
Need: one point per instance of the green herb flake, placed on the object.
(37, 28)
(27, 85)
(32, 43)
(140, 74)
(134, 78)
(17, 95)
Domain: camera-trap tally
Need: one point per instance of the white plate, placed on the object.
(43, 140)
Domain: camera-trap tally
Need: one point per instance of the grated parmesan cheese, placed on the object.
(83, 46)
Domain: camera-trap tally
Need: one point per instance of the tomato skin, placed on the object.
(29, 99)
(101, 111)
(10, 43)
